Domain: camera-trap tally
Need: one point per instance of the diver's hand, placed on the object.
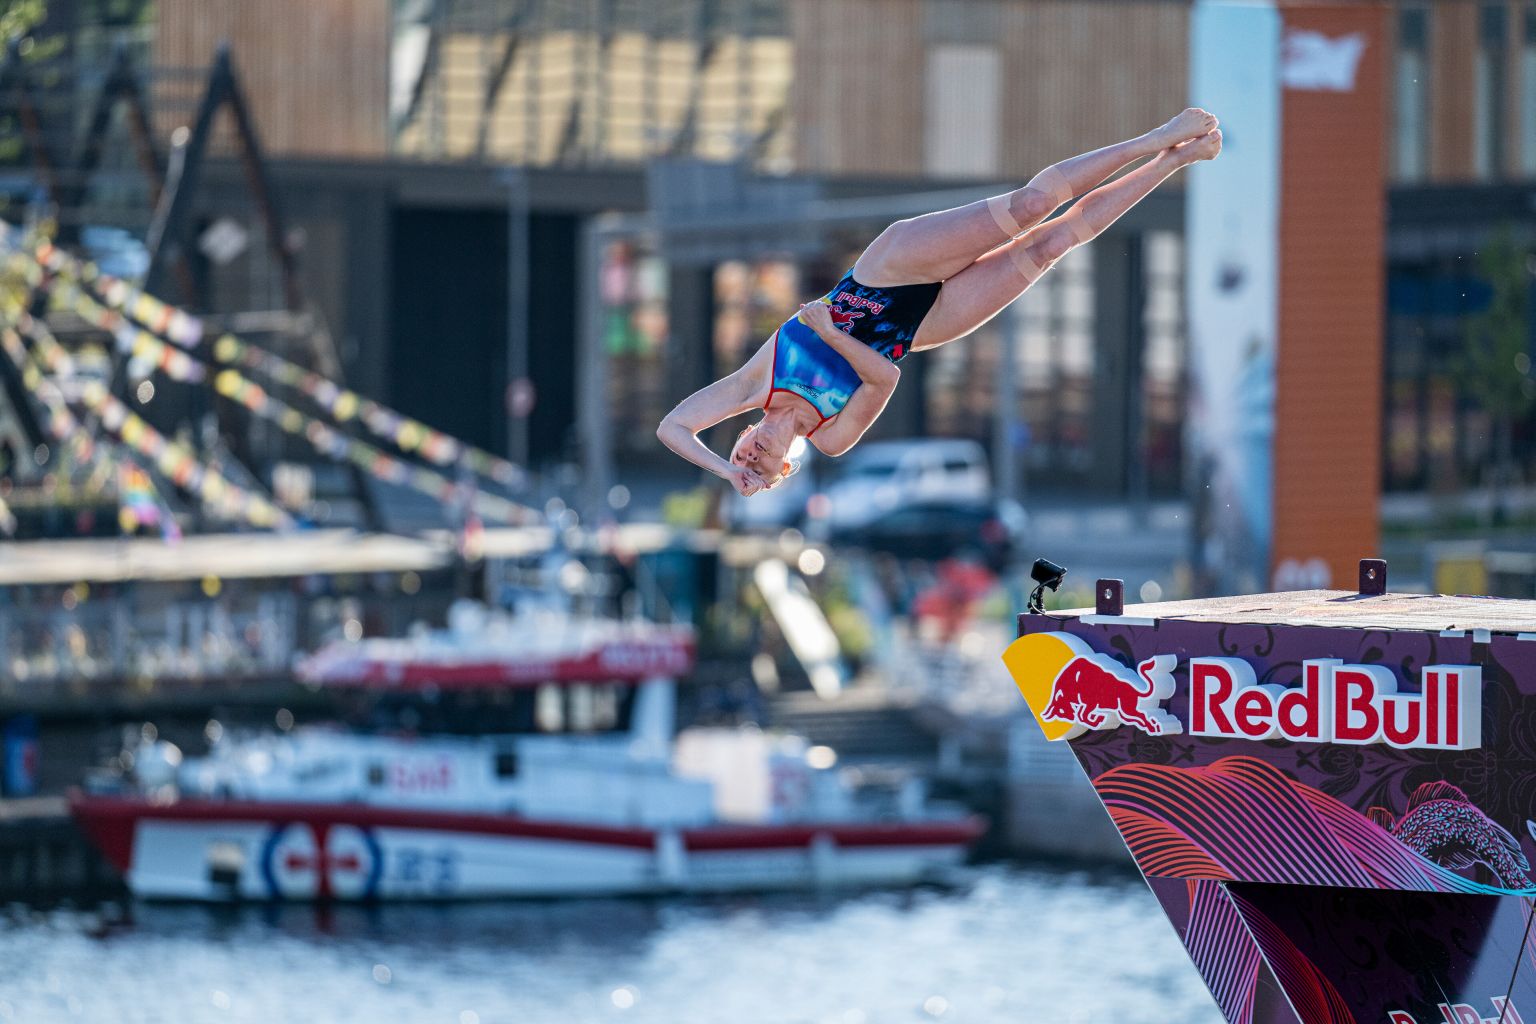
(746, 481)
(818, 317)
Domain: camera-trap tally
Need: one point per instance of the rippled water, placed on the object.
(1016, 945)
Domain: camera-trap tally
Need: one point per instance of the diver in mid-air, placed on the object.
(827, 372)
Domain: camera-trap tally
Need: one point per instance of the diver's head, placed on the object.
(764, 447)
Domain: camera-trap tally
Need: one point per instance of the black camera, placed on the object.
(1045, 573)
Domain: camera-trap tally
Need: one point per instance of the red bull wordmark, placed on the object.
(1461, 1013)
(1338, 703)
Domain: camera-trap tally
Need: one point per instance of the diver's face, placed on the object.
(757, 449)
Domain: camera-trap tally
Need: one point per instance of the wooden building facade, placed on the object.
(861, 97)
(968, 89)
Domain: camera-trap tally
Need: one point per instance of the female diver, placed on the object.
(827, 372)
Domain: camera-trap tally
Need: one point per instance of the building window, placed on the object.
(635, 327)
(1411, 94)
(752, 298)
(1163, 362)
(963, 126)
(1488, 110)
(1528, 93)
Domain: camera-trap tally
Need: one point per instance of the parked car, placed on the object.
(990, 531)
(878, 478)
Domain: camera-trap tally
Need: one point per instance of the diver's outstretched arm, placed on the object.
(730, 396)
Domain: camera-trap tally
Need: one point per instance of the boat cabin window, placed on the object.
(506, 764)
(580, 707)
(375, 775)
(577, 708)
(550, 711)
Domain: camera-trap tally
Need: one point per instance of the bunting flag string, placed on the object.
(321, 436)
(57, 420)
(146, 506)
(342, 404)
(164, 319)
(174, 460)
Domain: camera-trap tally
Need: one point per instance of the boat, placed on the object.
(529, 755)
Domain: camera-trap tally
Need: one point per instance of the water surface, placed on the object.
(1016, 945)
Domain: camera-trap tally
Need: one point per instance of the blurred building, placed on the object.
(441, 157)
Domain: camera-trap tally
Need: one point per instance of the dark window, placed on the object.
(1493, 24)
(506, 764)
(375, 775)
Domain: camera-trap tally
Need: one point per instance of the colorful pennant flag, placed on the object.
(184, 329)
(171, 458)
(321, 436)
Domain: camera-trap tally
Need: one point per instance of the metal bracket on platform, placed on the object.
(1373, 577)
(1109, 597)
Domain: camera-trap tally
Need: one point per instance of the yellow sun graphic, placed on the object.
(1035, 661)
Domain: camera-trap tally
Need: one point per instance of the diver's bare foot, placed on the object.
(1206, 147)
(1190, 124)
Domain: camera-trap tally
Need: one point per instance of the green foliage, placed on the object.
(686, 509)
(1496, 362)
(19, 21)
(117, 12)
(19, 17)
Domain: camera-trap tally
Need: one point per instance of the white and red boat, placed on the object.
(527, 756)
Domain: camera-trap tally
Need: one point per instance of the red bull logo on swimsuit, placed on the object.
(844, 320)
(1072, 689)
(847, 298)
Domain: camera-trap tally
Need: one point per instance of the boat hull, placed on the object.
(226, 851)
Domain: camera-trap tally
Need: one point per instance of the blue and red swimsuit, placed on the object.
(885, 319)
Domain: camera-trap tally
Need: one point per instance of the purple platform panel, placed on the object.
(1329, 793)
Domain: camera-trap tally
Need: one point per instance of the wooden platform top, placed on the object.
(1421, 612)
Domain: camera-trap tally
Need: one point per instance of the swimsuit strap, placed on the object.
(773, 372)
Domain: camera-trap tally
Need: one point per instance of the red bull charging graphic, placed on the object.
(1097, 692)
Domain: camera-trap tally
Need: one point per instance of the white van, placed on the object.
(879, 476)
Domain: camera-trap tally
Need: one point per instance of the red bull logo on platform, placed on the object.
(1462, 1013)
(1071, 688)
(1097, 692)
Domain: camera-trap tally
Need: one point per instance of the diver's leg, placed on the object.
(937, 246)
(980, 291)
